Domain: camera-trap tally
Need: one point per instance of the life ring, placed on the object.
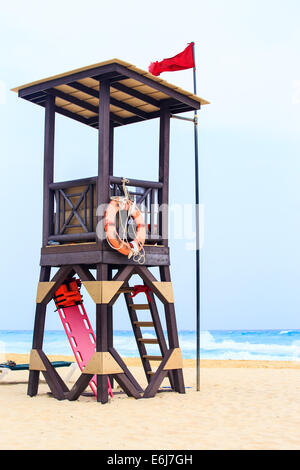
(125, 247)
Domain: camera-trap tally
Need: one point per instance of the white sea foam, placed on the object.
(220, 345)
(230, 349)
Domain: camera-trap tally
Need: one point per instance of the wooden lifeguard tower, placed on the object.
(105, 96)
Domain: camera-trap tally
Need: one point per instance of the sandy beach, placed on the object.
(241, 405)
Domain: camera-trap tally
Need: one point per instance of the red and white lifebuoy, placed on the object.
(114, 239)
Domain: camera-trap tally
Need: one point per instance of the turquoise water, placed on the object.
(235, 344)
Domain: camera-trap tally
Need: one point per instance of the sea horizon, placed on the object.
(269, 344)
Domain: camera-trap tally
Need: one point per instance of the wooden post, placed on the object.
(38, 335)
(103, 148)
(164, 152)
(111, 149)
(48, 201)
(172, 329)
(104, 165)
(102, 335)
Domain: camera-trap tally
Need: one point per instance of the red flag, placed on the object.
(183, 60)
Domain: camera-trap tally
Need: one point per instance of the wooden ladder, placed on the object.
(140, 340)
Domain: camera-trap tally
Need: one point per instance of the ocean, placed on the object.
(271, 345)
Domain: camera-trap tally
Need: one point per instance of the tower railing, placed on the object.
(74, 216)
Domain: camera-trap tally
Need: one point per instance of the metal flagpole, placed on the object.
(197, 224)
(197, 202)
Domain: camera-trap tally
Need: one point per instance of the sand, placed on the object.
(241, 405)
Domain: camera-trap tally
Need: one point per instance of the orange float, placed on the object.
(123, 246)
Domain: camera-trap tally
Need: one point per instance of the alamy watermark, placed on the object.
(166, 222)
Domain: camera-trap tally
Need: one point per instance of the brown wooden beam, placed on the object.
(127, 372)
(83, 104)
(120, 104)
(53, 379)
(109, 70)
(38, 334)
(48, 199)
(136, 94)
(79, 386)
(164, 156)
(69, 114)
(102, 336)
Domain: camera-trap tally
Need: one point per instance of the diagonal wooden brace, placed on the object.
(39, 362)
(171, 361)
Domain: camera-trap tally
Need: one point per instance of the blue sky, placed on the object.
(247, 55)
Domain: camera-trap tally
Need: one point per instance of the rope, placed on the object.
(137, 253)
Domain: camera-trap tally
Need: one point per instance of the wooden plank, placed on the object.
(69, 114)
(73, 183)
(71, 248)
(72, 99)
(153, 358)
(75, 237)
(139, 306)
(148, 340)
(64, 259)
(116, 102)
(152, 259)
(144, 323)
(125, 290)
(137, 94)
(137, 183)
(66, 78)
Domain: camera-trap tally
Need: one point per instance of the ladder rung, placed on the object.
(143, 323)
(150, 372)
(125, 290)
(148, 340)
(139, 306)
(153, 358)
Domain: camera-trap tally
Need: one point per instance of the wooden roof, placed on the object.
(135, 95)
